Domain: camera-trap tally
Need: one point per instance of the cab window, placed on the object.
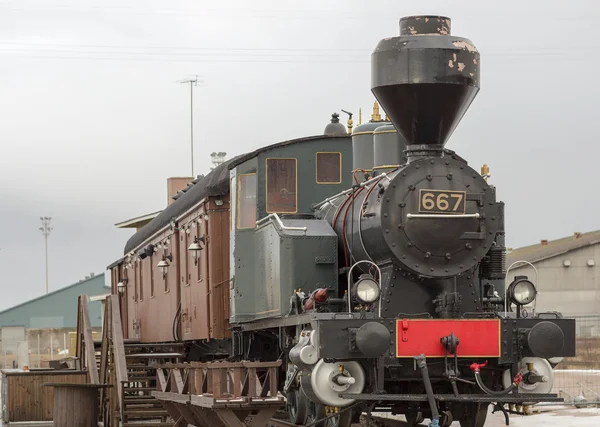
(246, 206)
(329, 168)
(282, 194)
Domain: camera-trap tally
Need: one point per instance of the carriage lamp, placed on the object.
(121, 286)
(163, 265)
(521, 291)
(195, 248)
(366, 289)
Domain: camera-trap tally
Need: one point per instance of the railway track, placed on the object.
(375, 421)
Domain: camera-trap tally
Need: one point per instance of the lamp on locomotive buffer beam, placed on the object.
(163, 264)
(366, 289)
(522, 291)
(195, 248)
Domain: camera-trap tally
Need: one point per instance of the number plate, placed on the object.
(442, 201)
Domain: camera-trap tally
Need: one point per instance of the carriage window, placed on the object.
(246, 206)
(281, 186)
(329, 168)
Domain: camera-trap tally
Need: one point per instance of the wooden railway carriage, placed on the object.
(173, 293)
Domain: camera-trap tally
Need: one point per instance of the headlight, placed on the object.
(521, 291)
(367, 289)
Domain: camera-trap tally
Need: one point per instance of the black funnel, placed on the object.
(425, 79)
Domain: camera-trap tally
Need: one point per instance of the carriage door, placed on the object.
(132, 301)
(186, 294)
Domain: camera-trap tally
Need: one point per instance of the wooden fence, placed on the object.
(25, 399)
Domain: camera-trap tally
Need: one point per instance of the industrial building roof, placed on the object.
(57, 309)
(551, 248)
(137, 222)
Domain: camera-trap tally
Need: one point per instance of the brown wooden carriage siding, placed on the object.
(28, 400)
(204, 293)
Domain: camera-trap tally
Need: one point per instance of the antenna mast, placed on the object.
(192, 82)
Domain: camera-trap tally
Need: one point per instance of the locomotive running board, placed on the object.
(482, 398)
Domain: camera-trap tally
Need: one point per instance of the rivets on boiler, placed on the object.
(448, 256)
(427, 255)
(429, 177)
(411, 187)
(468, 246)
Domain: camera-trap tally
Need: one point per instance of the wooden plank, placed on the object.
(237, 381)
(253, 383)
(162, 380)
(28, 400)
(118, 346)
(90, 354)
(273, 381)
(208, 417)
(79, 330)
(104, 354)
(171, 397)
(191, 416)
(261, 419)
(229, 418)
(179, 383)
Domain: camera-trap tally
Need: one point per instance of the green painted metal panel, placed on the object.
(249, 293)
(309, 191)
(57, 309)
(288, 260)
(241, 290)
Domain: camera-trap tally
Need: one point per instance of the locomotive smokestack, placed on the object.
(425, 80)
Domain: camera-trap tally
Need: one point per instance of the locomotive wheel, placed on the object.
(297, 406)
(473, 415)
(317, 412)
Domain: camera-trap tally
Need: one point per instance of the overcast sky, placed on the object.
(93, 120)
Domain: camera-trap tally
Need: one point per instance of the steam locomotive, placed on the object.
(372, 264)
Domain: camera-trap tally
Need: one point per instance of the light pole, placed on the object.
(46, 229)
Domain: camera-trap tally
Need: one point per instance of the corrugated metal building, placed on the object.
(568, 277)
(57, 309)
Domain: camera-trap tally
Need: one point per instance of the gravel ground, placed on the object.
(550, 417)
